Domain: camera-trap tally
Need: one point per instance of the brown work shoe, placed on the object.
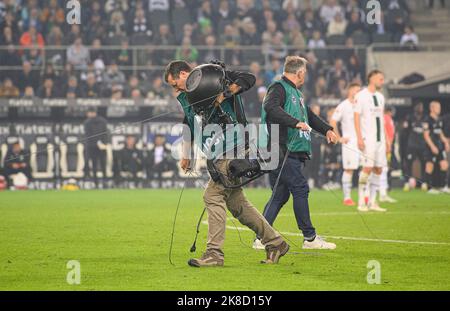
(275, 253)
(208, 259)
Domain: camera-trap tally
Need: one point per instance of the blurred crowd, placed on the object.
(44, 56)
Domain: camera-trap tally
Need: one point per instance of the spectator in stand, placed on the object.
(249, 32)
(9, 21)
(186, 51)
(337, 25)
(337, 72)
(48, 90)
(74, 33)
(310, 24)
(91, 88)
(158, 89)
(133, 85)
(409, 38)
(211, 52)
(164, 37)
(277, 48)
(158, 12)
(320, 88)
(17, 161)
(130, 158)
(230, 39)
(7, 38)
(49, 72)
(158, 159)
(97, 28)
(28, 93)
(10, 57)
(73, 90)
(329, 10)
(140, 28)
(296, 39)
(117, 29)
(397, 28)
(78, 55)
(113, 76)
(8, 90)
(55, 38)
(275, 71)
(34, 56)
(52, 16)
(32, 38)
(355, 25)
(223, 16)
(28, 77)
(316, 41)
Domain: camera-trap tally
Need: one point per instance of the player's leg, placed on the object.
(407, 173)
(298, 186)
(350, 163)
(278, 198)
(368, 162)
(244, 211)
(214, 200)
(443, 164)
(347, 177)
(384, 186)
(429, 168)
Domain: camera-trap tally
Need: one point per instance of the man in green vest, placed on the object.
(217, 198)
(284, 106)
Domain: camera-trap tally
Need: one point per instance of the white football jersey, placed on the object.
(370, 107)
(345, 115)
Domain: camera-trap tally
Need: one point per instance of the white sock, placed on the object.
(384, 182)
(374, 187)
(362, 184)
(347, 185)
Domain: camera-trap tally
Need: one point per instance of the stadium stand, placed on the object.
(52, 71)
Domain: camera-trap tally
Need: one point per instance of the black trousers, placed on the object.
(98, 158)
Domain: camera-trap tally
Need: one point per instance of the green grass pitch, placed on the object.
(121, 239)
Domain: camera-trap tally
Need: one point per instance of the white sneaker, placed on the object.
(318, 243)
(424, 186)
(445, 189)
(433, 191)
(387, 199)
(363, 208)
(258, 245)
(376, 208)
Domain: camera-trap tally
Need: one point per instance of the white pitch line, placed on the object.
(346, 237)
(356, 213)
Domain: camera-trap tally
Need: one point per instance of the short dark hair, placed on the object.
(174, 68)
(373, 73)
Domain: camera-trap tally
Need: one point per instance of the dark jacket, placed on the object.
(95, 129)
(274, 106)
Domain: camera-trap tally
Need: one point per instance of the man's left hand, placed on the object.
(332, 137)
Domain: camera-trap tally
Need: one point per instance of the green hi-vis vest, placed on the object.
(298, 140)
(229, 142)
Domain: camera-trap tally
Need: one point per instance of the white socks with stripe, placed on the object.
(347, 185)
(374, 186)
(362, 185)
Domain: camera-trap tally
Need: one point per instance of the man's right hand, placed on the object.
(184, 164)
(303, 126)
(361, 144)
(344, 140)
(434, 150)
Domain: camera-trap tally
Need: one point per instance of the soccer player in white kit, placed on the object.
(344, 114)
(371, 138)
